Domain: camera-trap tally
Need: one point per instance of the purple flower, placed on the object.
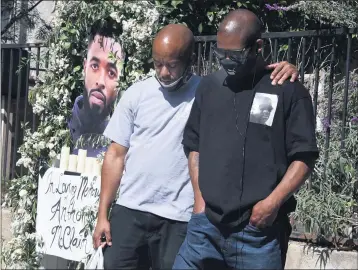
(326, 123)
(269, 7)
(275, 7)
(354, 120)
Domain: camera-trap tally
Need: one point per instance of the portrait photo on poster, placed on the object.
(263, 109)
(102, 69)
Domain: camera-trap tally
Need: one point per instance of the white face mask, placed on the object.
(171, 86)
(177, 83)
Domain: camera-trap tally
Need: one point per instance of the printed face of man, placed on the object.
(265, 110)
(261, 110)
(102, 69)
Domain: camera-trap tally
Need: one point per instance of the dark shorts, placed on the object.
(206, 247)
(141, 240)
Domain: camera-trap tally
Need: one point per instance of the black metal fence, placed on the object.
(20, 66)
(321, 56)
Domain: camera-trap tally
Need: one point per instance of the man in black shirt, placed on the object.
(257, 146)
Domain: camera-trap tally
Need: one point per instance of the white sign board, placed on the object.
(60, 213)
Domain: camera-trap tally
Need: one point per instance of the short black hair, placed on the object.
(107, 27)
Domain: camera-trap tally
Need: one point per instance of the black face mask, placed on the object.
(235, 61)
(239, 67)
(231, 67)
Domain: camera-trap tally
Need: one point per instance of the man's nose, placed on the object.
(164, 72)
(101, 80)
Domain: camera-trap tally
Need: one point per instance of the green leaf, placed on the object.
(76, 68)
(161, 2)
(283, 48)
(210, 16)
(175, 3)
(200, 28)
(342, 164)
(67, 45)
(63, 37)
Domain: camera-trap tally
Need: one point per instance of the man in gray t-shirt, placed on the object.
(148, 222)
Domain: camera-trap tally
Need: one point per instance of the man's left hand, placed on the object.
(264, 214)
(282, 71)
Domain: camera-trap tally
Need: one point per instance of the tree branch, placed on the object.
(19, 16)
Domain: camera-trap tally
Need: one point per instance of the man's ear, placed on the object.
(259, 44)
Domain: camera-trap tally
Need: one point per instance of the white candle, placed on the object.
(72, 165)
(81, 160)
(97, 168)
(65, 154)
(89, 166)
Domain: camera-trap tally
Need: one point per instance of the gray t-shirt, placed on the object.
(150, 121)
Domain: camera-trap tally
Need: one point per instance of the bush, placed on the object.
(329, 206)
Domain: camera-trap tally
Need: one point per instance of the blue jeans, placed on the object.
(206, 247)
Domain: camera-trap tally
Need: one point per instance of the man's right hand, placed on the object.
(103, 227)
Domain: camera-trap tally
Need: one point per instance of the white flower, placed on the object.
(47, 129)
(60, 119)
(50, 145)
(25, 161)
(41, 145)
(118, 3)
(52, 154)
(23, 193)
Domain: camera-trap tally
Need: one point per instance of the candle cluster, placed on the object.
(79, 163)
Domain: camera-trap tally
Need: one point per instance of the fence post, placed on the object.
(346, 85)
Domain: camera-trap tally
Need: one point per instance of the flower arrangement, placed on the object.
(51, 99)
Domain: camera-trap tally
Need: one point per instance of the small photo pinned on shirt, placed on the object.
(263, 109)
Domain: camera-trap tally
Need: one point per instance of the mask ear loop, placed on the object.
(187, 72)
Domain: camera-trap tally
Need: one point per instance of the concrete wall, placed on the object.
(303, 256)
